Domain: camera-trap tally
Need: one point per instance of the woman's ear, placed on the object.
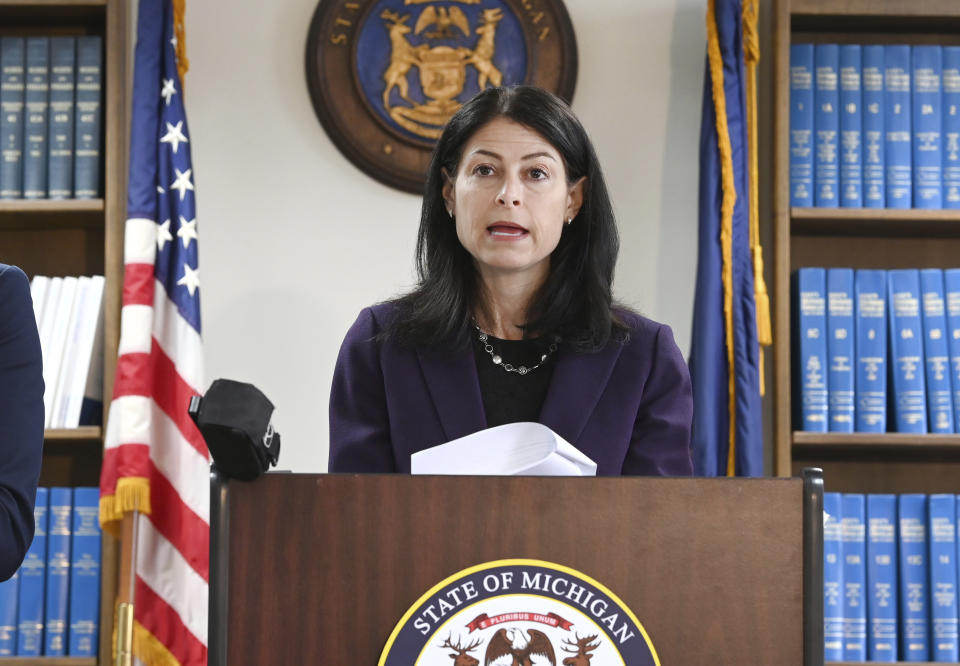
(447, 191)
(575, 197)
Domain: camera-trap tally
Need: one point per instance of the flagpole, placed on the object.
(123, 648)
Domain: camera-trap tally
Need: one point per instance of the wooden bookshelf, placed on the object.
(79, 237)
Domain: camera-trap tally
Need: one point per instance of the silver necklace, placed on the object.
(498, 360)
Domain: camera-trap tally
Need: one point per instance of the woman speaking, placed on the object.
(512, 318)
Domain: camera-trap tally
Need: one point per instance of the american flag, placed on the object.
(155, 460)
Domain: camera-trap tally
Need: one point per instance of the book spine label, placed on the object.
(951, 126)
(832, 577)
(801, 124)
(851, 127)
(86, 180)
(840, 349)
(897, 126)
(60, 158)
(906, 351)
(927, 127)
(874, 190)
(871, 350)
(35, 123)
(812, 334)
(32, 581)
(826, 124)
(914, 572)
(936, 353)
(85, 573)
(951, 286)
(9, 593)
(854, 545)
(12, 88)
(942, 530)
(58, 572)
(882, 637)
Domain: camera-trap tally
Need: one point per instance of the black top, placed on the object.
(509, 397)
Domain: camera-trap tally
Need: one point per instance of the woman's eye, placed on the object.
(538, 173)
(483, 170)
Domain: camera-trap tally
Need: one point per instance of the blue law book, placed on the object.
(35, 123)
(12, 75)
(871, 350)
(914, 578)
(801, 125)
(851, 127)
(60, 139)
(897, 126)
(854, 548)
(936, 352)
(906, 351)
(812, 347)
(85, 573)
(882, 577)
(826, 123)
(32, 582)
(951, 286)
(942, 531)
(840, 349)
(951, 126)
(58, 571)
(9, 594)
(86, 172)
(874, 190)
(927, 127)
(832, 577)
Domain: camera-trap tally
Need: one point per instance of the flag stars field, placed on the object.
(190, 279)
(174, 136)
(168, 91)
(182, 182)
(163, 235)
(187, 231)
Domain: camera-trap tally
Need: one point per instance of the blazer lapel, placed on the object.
(578, 382)
(455, 390)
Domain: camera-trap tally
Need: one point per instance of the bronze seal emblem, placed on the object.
(385, 76)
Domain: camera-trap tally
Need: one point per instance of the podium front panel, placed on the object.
(322, 567)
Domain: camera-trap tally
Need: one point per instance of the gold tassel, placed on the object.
(148, 649)
(131, 494)
(179, 29)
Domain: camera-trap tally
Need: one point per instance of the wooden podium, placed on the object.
(311, 569)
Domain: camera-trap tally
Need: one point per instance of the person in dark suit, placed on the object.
(21, 418)
(513, 317)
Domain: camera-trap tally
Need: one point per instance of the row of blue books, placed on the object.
(874, 126)
(890, 577)
(50, 101)
(856, 329)
(51, 606)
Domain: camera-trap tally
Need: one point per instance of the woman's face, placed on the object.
(510, 199)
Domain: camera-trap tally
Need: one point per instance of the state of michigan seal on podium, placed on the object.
(385, 76)
(519, 612)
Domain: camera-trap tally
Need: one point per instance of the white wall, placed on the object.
(295, 240)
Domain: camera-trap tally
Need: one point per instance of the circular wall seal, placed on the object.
(519, 612)
(385, 75)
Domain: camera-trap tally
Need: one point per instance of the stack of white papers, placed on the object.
(514, 449)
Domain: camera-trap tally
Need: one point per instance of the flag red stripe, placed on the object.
(121, 462)
(162, 621)
(138, 284)
(185, 530)
(154, 375)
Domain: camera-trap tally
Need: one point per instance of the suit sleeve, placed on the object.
(660, 445)
(359, 423)
(21, 417)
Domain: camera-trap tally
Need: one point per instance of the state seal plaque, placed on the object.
(510, 612)
(385, 75)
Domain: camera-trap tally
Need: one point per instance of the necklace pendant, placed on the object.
(497, 360)
(522, 370)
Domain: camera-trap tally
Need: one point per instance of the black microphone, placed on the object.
(234, 419)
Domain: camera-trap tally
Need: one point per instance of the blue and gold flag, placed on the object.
(725, 360)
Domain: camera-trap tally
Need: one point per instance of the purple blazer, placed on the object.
(628, 407)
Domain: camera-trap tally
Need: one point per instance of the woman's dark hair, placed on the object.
(575, 301)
